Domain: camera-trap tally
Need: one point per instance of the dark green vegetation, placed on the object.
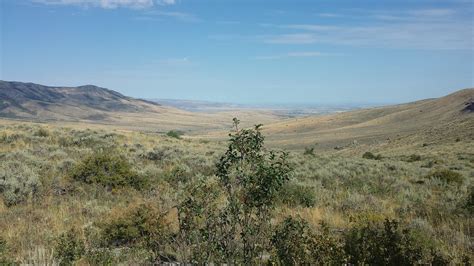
(174, 134)
(101, 197)
(107, 169)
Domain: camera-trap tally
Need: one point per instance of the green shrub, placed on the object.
(199, 219)
(154, 155)
(469, 205)
(17, 182)
(108, 170)
(308, 151)
(69, 247)
(383, 245)
(251, 178)
(174, 134)
(100, 256)
(297, 195)
(413, 158)
(42, 132)
(371, 156)
(447, 176)
(4, 253)
(296, 244)
(137, 224)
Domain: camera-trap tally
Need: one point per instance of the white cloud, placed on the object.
(311, 27)
(292, 38)
(419, 29)
(435, 12)
(109, 4)
(187, 17)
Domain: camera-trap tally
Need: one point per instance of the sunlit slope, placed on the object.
(427, 119)
(95, 105)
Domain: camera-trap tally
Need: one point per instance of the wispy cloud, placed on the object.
(291, 38)
(108, 4)
(296, 54)
(422, 29)
(329, 15)
(182, 16)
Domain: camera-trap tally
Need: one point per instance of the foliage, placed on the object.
(142, 225)
(371, 156)
(384, 245)
(251, 179)
(469, 205)
(296, 244)
(447, 176)
(4, 253)
(174, 134)
(200, 232)
(108, 170)
(100, 256)
(17, 182)
(294, 194)
(69, 247)
(308, 151)
(42, 132)
(194, 210)
(413, 158)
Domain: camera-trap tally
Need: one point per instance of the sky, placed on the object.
(243, 51)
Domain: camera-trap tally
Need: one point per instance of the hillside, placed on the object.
(426, 120)
(94, 105)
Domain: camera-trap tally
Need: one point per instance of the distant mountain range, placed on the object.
(34, 101)
(92, 104)
(434, 118)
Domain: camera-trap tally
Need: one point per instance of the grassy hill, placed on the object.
(103, 107)
(102, 196)
(427, 120)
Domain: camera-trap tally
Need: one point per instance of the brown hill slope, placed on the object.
(91, 104)
(432, 119)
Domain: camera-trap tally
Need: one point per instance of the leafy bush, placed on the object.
(4, 253)
(108, 170)
(138, 224)
(199, 219)
(42, 132)
(101, 256)
(371, 156)
(174, 134)
(17, 182)
(297, 195)
(296, 244)
(308, 151)
(154, 155)
(69, 247)
(447, 176)
(383, 245)
(251, 178)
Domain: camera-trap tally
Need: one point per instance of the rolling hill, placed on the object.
(425, 120)
(95, 105)
(431, 120)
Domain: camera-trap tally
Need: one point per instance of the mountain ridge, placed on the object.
(93, 104)
(429, 119)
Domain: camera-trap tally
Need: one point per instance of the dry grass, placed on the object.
(348, 189)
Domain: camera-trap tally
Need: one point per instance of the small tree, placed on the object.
(251, 178)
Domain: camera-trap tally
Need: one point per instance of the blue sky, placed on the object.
(243, 51)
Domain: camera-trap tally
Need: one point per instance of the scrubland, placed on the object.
(105, 197)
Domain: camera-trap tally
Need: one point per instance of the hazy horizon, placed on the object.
(245, 52)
